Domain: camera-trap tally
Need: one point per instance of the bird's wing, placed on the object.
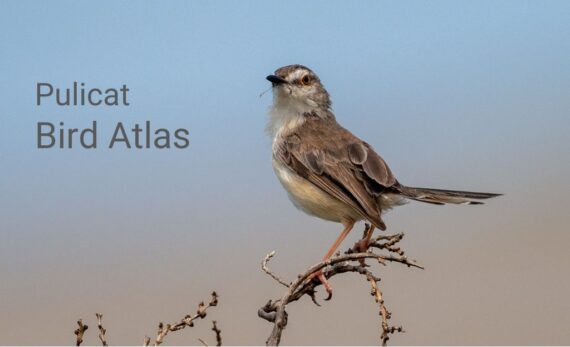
(339, 163)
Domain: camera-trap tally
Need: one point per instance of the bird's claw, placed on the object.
(321, 277)
(329, 294)
(314, 298)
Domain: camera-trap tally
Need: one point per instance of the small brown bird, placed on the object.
(327, 171)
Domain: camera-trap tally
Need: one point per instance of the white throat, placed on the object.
(286, 114)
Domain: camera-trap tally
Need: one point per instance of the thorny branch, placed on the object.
(79, 332)
(102, 330)
(386, 329)
(218, 333)
(274, 311)
(187, 321)
(351, 261)
(267, 271)
(163, 330)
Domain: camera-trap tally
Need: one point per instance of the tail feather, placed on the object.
(443, 196)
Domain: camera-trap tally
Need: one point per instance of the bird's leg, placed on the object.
(362, 245)
(348, 225)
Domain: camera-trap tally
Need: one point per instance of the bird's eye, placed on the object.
(306, 80)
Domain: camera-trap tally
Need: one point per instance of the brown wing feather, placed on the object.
(377, 169)
(340, 164)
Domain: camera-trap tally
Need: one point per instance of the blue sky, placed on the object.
(470, 95)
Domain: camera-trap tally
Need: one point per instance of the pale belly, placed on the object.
(311, 199)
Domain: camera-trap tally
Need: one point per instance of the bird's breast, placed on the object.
(310, 198)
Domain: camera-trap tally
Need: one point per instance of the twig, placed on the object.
(351, 261)
(269, 272)
(187, 321)
(162, 332)
(80, 331)
(384, 313)
(218, 333)
(102, 330)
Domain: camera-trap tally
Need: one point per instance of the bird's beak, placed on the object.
(276, 80)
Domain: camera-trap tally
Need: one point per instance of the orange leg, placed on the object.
(362, 245)
(348, 225)
(347, 228)
(368, 237)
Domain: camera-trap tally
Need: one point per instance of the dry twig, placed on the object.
(80, 331)
(163, 330)
(386, 328)
(269, 272)
(102, 330)
(218, 333)
(187, 321)
(351, 261)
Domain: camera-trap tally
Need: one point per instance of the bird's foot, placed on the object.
(319, 275)
(362, 246)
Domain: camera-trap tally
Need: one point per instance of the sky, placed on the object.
(457, 95)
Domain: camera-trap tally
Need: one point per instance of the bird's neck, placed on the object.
(286, 116)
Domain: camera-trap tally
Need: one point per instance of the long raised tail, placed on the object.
(442, 196)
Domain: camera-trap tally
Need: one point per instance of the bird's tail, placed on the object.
(442, 196)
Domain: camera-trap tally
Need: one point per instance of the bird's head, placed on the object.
(299, 87)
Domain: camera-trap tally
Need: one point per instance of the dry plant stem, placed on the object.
(188, 321)
(383, 311)
(274, 311)
(79, 332)
(218, 333)
(269, 272)
(102, 330)
(386, 328)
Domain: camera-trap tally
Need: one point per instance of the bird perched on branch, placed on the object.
(327, 171)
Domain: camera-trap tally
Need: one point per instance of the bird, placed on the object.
(330, 173)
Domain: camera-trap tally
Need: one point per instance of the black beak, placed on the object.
(276, 80)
